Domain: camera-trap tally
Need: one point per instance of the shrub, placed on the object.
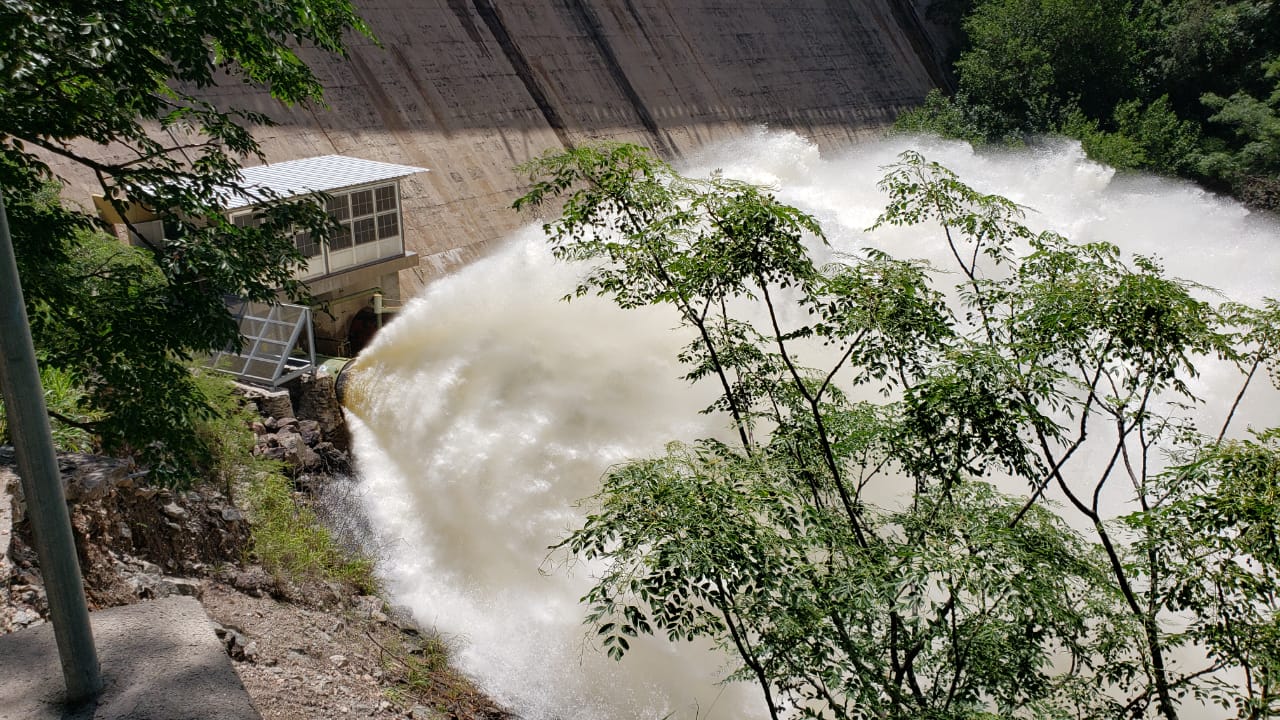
(288, 539)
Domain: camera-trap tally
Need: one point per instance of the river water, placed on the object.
(489, 407)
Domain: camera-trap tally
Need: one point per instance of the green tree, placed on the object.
(957, 600)
(1183, 87)
(1032, 61)
(1251, 164)
(124, 79)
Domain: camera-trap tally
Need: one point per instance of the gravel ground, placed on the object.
(310, 651)
(347, 659)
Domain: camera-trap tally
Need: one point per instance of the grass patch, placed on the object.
(288, 539)
(419, 672)
(62, 398)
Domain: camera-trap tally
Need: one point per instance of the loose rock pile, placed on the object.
(300, 445)
(311, 448)
(322, 651)
(137, 541)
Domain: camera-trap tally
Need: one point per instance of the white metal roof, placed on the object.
(311, 175)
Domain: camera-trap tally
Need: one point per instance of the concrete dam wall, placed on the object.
(470, 88)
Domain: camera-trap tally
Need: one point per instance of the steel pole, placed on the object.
(42, 483)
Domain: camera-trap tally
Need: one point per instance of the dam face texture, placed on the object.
(471, 88)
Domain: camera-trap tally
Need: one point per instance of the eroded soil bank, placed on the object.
(304, 647)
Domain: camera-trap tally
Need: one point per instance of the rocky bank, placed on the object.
(304, 648)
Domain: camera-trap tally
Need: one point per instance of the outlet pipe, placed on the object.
(337, 367)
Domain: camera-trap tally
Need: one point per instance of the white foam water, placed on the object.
(489, 407)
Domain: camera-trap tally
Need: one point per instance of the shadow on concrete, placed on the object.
(591, 65)
(160, 661)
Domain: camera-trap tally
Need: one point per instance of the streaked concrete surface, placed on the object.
(160, 661)
(470, 88)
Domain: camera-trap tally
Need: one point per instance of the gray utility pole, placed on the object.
(42, 483)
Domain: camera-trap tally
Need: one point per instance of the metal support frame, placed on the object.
(270, 358)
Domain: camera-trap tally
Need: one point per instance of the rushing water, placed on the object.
(489, 407)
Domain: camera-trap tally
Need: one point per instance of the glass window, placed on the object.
(341, 239)
(247, 220)
(388, 225)
(362, 203)
(307, 245)
(386, 198)
(364, 231)
(337, 207)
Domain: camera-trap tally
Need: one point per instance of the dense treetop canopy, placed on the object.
(1185, 87)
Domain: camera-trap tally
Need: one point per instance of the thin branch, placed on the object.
(88, 426)
(1257, 361)
(828, 453)
(844, 358)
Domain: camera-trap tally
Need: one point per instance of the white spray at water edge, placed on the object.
(489, 407)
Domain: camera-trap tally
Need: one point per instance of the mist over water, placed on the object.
(489, 407)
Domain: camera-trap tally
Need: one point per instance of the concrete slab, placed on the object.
(160, 661)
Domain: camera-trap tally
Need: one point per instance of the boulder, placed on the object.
(317, 400)
(310, 431)
(238, 646)
(90, 477)
(332, 458)
(297, 454)
(253, 581)
(169, 586)
(270, 402)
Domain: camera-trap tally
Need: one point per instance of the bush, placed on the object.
(1115, 149)
(288, 539)
(1169, 144)
(62, 398)
(950, 117)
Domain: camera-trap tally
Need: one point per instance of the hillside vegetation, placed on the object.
(1182, 87)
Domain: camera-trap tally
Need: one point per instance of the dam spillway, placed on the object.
(471, 88)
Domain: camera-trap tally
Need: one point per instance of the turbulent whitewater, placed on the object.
(489, 407)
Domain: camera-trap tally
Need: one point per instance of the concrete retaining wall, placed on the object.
(470, 88)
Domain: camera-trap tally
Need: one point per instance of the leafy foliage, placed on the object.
(1030, 60)
(1182, 87)
(953, 599)
(128, 75)
(288, 539)
(1252, 161)
(1218, 528)
(62, 398)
